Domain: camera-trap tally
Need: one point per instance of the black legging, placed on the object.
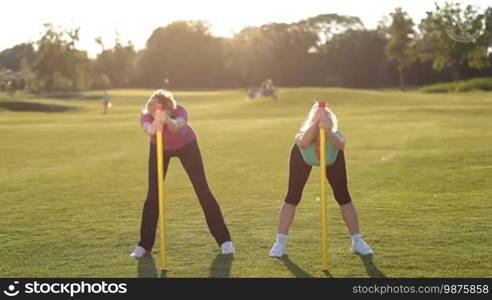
(191, 160)
(299, 172)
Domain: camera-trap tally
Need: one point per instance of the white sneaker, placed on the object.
(227, 248)
(278, 250)
(138, 252)
(359, 246)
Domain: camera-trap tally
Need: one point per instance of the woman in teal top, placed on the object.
(305, 154)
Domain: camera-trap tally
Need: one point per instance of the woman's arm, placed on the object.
(149, 124)
(161, 119)
(337, 140)
(176, 124)
(306, 138)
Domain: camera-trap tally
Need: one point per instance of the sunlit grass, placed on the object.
(72, 186)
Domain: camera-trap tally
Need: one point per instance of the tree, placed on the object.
(318, 63)
(58, 64)
(290, 54)
(437, 45)
(326, 26)
(12, 58)
(185, 53)
(356, 58)
(248, 57)
(290, 46)
(116, 64)
(277, 50)
(400, 42)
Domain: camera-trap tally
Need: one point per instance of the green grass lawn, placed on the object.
(73, 182)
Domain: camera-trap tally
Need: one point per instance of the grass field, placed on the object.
(73, 183)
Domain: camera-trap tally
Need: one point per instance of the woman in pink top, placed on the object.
(179, 141)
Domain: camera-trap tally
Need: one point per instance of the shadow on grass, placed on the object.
(34, 107)
(221, 266)
(146, 267)
(328, 274)
(371, 269)
(294, 268)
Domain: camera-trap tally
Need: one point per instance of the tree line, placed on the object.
(325, 50)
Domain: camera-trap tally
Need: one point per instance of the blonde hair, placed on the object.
(312, 114)
(163, 97)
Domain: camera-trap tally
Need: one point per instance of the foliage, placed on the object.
(399, 47)
(483, 84)
(324, 50)
(356, 59)
(444, 87)
(12, 58)
(115, 67)
(435, 44)
(59, 65)
(101, 82)
(185, 53)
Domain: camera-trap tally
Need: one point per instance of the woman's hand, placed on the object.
(157, 126)
(160, 116)
(326, 124)
(320, 114)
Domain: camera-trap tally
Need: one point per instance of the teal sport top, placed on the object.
(310, 157)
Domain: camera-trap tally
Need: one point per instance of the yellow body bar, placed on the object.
(324, 206)
(160, 185)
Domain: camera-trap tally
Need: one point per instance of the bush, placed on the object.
(438, 88)
(36, 86)
(483, 84)
(476, 84)
(61, 83)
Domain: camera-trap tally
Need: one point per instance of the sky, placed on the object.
(22, 20)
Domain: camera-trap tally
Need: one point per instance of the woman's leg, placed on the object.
(298, 175)
(349, 215)
(191, 159)
(285, 217)
(150, 213)
(337, 177)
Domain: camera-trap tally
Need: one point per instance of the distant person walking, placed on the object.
(180, 141)
(106, 103)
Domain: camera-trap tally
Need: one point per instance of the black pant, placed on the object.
(299, 172)
(191, 160)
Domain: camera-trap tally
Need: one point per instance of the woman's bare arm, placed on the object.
(337, 140)
(304, 139)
